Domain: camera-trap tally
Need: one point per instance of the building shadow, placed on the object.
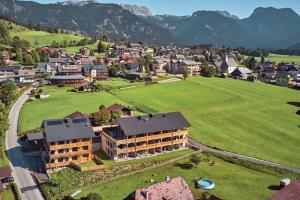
(274, 187)
(186, 166)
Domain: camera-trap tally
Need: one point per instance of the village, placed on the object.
(137, 62)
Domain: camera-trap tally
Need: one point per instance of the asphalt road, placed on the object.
(22, 165)
(203, 147)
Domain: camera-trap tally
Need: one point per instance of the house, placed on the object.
(60, 61)
(5, 177)
(228, 65)
(241, 73)
(85, 51)
(14, 68)
(25, 76)
(289, 192)
(6, 57)
(175, 188)
(286, 74)
(132, 75)
(96, 72)
(66, 141)
(44, 68)
(69, 70)
(141, 136)
(72, 80)
(267, 73)
(158, 72)
(177, 66)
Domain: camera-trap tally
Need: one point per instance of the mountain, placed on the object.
(264, 28)
(87, 18)
(137, 10)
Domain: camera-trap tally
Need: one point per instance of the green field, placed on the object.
(75, 49)
(281, 58)
(254, 119)
(249, 118)
(60, 104)
(232, 181)
(40, 38)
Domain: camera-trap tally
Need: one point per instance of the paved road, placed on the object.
(203, 147)
(22, 165)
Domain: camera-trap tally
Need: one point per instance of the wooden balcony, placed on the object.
(69, 154)
(151, 146)
(70, 145)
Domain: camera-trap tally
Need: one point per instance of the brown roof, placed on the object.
(290, 192)
(77, 114)
(4, 172)
(175, 188)
(115, 107)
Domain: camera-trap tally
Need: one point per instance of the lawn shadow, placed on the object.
(186, 166)
(293, 103)
(298, 112)
(274, 187)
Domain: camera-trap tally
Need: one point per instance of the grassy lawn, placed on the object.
(8, 194)
(75, 49)
(167, 156)
(232, 181)
(281, 58)
(119, 82)
(252, 119)
(40, 38)
(60, 104)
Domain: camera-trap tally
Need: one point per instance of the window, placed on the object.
(86, 155)
(75, 149)
(60, 159)
(74, 141)
(52, 151)
(75, 158)
(85, 147)
(52, 161)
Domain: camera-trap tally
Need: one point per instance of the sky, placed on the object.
(240, 8)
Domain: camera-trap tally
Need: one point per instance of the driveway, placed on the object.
(22, 166)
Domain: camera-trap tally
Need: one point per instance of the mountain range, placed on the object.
(264, 28)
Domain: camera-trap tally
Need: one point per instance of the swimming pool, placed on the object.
(205, 184)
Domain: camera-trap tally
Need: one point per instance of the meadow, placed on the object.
(254, 119)
(40, 38)
(232, 181)
(60, 104)
(281, 58)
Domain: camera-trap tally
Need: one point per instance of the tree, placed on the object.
(101, 107)
(35, 56)
(115, 115)
(92, 196)
(8, 92)
(4, 34)
(101, 118)
(112, 71)
(28, 60)
(195, 159)
(102, 48)
(19, 55)
(185, 73)
(2, 62)
(262, 60)
(208, 71)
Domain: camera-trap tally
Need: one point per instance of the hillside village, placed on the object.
(125, 139)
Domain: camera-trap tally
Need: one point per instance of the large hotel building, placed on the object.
(142, 136)
(72, 140)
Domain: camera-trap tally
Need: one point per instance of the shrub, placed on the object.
(61, 85)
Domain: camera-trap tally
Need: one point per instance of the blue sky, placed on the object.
(240, 8)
